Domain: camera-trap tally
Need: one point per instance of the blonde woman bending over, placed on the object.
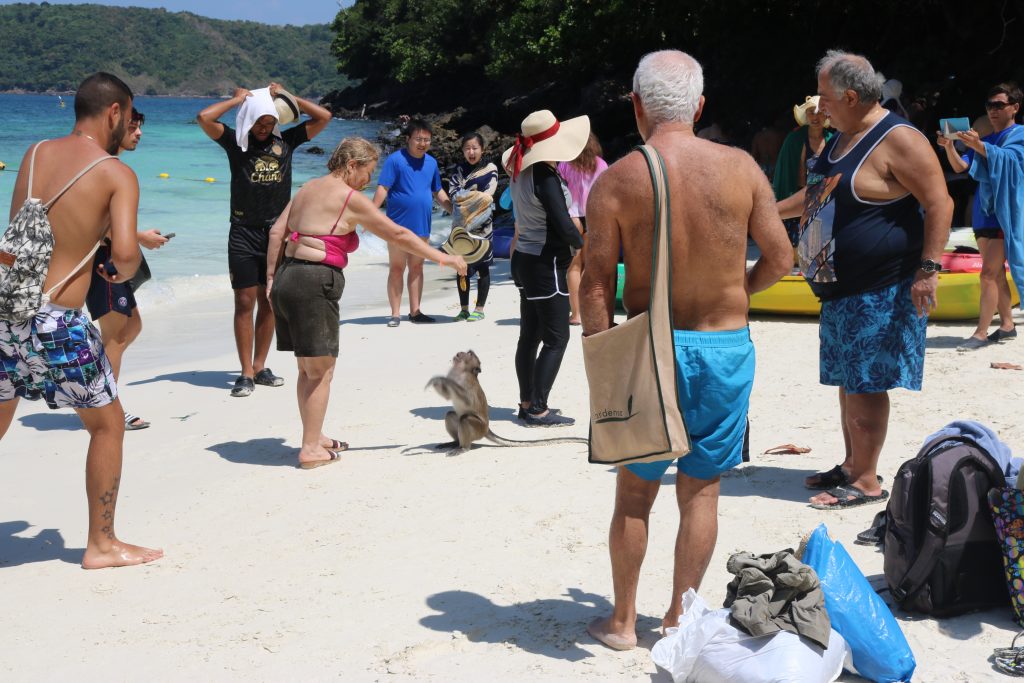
(315, 234)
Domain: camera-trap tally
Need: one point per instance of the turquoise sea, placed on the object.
(197, 211)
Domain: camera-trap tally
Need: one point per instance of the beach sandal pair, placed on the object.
(1010, 660)
(830, 479)
(134, 423)
(849, 497)
(335, 449)
(469, 317)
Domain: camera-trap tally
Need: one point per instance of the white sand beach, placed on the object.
(399, 563)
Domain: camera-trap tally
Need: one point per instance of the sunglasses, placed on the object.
(995, 105)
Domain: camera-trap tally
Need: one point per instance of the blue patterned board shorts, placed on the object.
(873, 342)
(57, 356)
(715, 372)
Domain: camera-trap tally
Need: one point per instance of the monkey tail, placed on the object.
(502, 441)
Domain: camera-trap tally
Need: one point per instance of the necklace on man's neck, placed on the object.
(86, 135)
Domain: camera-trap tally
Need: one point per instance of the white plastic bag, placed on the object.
(706, 648)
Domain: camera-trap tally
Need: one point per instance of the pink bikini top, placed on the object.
(337, 247)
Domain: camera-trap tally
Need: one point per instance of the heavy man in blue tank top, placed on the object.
(876, 218)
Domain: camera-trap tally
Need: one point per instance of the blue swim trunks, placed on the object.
(715, 371)
(873, 342)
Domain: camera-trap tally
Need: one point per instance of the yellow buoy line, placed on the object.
(167, 176)
(164, 176)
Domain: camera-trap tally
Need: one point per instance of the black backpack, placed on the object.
(941, 553)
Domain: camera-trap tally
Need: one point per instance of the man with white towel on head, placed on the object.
(260, 157)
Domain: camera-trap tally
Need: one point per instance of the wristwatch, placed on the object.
(930, 266)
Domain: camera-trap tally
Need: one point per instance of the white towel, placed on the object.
(260, 104)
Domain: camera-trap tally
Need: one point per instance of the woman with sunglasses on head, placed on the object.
(1002, 106)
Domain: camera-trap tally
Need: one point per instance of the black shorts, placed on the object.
(306, 315)
(103, 296)
(247, 256)
(989, 233)
(541, 277)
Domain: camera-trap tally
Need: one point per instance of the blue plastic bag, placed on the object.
(880, 651)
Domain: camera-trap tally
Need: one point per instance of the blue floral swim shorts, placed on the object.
(873, 342)
(57, 356)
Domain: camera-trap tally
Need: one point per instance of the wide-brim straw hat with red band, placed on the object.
(545, 138)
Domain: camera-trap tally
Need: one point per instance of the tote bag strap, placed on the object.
(660, 305)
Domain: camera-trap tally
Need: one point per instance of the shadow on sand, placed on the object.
(46, 422)
(769, 481)
(266, 451)
(211, 379)
(45, 546)
(438, 413)
(943, 342)
(550, 627)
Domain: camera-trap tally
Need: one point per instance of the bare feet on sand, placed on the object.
(119, 555)
(603, 632)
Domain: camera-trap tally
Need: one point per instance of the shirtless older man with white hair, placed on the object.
(58, 355)
(719, 197)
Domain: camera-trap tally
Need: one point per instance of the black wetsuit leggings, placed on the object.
(483, 285)
(544, 323)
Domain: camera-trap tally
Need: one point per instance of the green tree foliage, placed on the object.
(52, 47)
(757, 54)
(408, 39)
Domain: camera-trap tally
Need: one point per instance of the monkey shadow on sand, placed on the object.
(550, 627)
(438, 413)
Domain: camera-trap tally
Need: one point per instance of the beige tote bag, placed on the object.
(631, 369)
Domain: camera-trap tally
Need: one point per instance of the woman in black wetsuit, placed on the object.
(540, 262)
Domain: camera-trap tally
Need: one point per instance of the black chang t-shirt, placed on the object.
(261, 178)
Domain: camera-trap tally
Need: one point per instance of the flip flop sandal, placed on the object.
(313, 464)
(831, 478)
(788, 449)
(134, 422)
(1011, 651)
(1010, 665)
(337, 446)
(849, 497)
(875, 534)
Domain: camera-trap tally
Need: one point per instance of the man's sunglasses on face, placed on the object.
(995, 105)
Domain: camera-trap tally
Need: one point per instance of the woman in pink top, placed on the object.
(315, 234)
(579, 175)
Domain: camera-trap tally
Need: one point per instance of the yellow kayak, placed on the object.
(959, 295)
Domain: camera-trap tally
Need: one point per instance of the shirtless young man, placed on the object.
(113, 305)
(75, 372)
(719, 196)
